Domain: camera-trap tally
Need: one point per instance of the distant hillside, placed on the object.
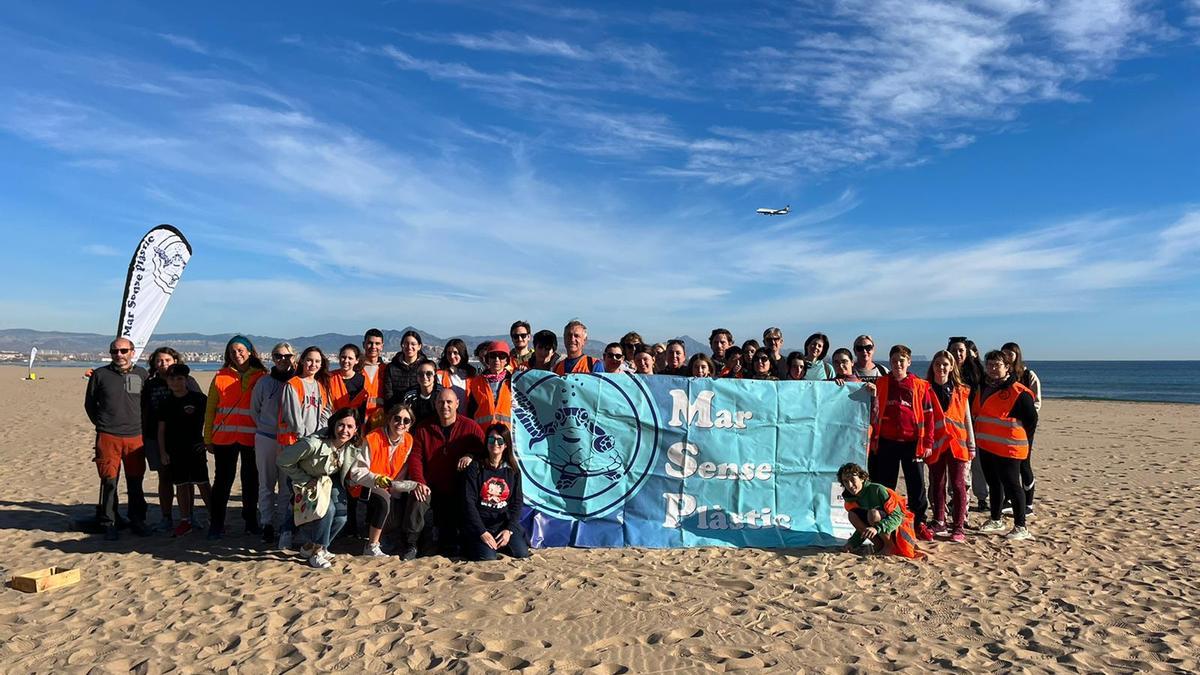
(21, 339)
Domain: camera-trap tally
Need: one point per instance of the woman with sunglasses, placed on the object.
(864, 360)
(422, 396)
(274, 497)
(762, 368)
(489, 394)
(492, 509)
(381, 467)
(229, 431)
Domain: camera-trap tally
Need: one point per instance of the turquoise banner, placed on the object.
(633, 460)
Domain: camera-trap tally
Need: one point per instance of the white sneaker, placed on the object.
(1018, 534)
(1006, 511)
(318, 562)
(285, 541)
(373, 551)
(324, 553)
(992, 527)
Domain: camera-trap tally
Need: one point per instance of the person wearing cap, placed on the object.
(274, 495)
(489, 394)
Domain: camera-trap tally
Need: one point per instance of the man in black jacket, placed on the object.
(114, 405)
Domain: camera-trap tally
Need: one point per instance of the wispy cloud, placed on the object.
(101, 250)
(186, 43)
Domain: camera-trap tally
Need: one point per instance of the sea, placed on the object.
(1152, 381)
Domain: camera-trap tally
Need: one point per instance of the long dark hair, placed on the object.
(1018, 364)
(510, 455)
(464, 364)
(322, 374)
(252, 362)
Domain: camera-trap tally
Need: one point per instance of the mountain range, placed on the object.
(21, 339)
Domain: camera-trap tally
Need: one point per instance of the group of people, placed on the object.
(425, 448)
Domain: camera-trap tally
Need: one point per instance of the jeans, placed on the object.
(474, 548)
(226, 460)
(885, 464)
(274, 492)
(322, 531)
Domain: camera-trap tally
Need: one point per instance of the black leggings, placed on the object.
(378, 508)
(225, 457)
(1003, 476)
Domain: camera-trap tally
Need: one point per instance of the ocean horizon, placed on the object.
(1135, 381)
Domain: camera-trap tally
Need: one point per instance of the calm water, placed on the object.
(1165, 381)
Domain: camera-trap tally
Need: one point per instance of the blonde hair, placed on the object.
(283, 345)
(955, 376)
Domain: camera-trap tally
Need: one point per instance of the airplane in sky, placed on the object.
(775, 212)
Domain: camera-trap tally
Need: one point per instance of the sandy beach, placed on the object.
(1108, 584)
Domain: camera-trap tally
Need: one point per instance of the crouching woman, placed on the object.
(492, 513)
(317, 466)
(878, 515)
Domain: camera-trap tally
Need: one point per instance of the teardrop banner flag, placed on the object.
(32, 356)
(154, 272)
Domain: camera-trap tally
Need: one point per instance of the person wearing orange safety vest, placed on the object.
(381, 470)
(346, 388)
(373, 370)
(1005, 419)
(881, 519)
(229, 429)
(489, 394)
(953, 446)
(306, 403)
(575, 339)
(902, 433)
(454, 370)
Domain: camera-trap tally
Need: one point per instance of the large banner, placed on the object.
(154, 272)
(632, 460)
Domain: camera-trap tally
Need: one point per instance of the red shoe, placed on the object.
(923, 533)
(182, 528)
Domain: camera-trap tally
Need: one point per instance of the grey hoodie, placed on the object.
(264, 403)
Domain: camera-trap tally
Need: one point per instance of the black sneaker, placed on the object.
(110, 533)
(409, 553)
(268, 534)
(253, 528)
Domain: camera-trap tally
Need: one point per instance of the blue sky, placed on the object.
(1005, 169)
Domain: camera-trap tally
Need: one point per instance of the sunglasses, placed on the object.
(614, 355)
(519, 336)
(120, 350)
(863, 348)
(495, 440)
(424, 373)
(762, 358)
(402, 420)
(281, 357)
(499, 356)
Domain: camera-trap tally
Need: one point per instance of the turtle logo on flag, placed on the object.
(169, 257)
(588, 442)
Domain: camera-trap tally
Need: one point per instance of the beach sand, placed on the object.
(1108, 584)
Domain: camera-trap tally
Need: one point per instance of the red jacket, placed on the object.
(434, 458)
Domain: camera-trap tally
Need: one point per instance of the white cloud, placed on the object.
(185, 43)
(101, 250)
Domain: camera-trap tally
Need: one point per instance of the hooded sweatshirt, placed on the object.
(308, 416)
(264, 401)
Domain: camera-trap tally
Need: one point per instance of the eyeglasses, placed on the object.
(424, 373)
(519, 336)
(495, 440)
(402, 420)
(863, 348)
(120, 350)
(616, 356)
(281, 357)
(499, 356)
(772, 339)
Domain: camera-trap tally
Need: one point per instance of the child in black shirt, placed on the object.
(181, 442)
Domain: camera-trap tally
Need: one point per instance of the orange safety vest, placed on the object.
(378, 446)
(489, 411)
(920, 392)
(583, 364)
(902, 542)
(373, 391)
(234, 422)
(443, 377)
(287, 436)
(995, 430)
(950, 432)
(341, 396)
